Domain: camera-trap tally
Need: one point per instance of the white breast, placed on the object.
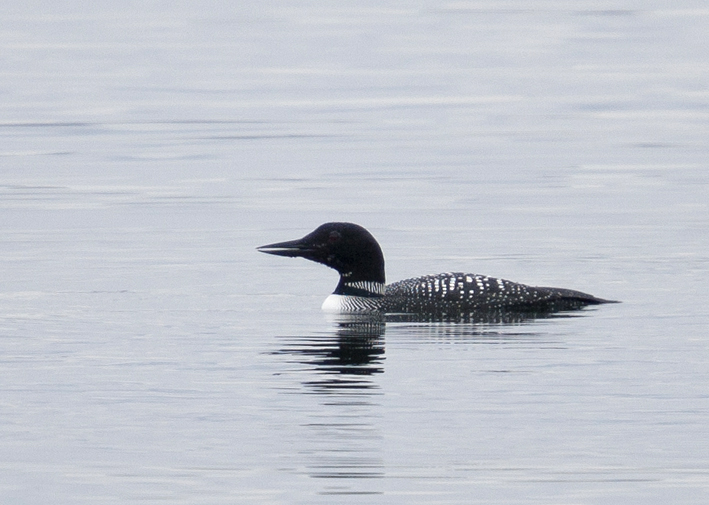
(333, 303)
(339, 304)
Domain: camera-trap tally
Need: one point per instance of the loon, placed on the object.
(355, 254)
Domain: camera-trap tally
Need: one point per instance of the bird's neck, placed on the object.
(367, 289)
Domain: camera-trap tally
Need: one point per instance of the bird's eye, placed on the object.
(334, 237)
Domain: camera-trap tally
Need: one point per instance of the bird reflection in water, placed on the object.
(341, 442)
(345, 358)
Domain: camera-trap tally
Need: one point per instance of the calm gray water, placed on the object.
(148, 353)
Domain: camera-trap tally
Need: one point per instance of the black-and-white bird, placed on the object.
(355, 254)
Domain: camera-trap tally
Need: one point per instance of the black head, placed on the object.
(346, 247)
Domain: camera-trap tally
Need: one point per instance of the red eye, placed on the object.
(334, 237)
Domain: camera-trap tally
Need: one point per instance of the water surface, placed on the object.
(150, 354)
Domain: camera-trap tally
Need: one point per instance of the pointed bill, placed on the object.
(291, 248)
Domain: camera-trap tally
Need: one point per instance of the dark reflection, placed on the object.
(501, 317)
(339, 440)
(489, 328)
(345, 358)
(342, 445)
